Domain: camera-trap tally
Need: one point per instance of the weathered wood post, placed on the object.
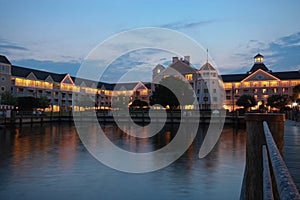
(254, 140)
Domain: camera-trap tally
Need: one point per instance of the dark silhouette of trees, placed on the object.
(8, 99)
(296, 93)
(138, 104)
(165, 97)
(246, 101)
(277, 101)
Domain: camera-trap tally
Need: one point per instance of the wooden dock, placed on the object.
(292, 149)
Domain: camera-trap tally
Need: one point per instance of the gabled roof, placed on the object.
(233, 77)
(31, 76)
(182, 67)
(158, 66)
(125, 86)
(289, 75)
(258, 66)
(40, 75)
(140, 86)
(207, 66)
(4, 60)
(258, 55)
(260, 75)
(107, 86)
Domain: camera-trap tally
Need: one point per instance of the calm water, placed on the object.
(50, 162)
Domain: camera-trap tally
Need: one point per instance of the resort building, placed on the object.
(63, 89)
(206, 83)
(259, 82)
(213, 91)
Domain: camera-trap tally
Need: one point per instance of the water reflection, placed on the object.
(50, 162)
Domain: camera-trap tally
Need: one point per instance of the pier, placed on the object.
(266, 173)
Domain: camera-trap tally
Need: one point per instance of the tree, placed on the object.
(165, 97)
(138, 104)
(8, 99)
(277, 101)
(246, 101)
(296, 93)
(27, 103)
(43, 102)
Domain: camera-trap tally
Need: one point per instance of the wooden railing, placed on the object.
(266, 175)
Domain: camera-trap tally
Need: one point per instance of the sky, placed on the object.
(58, 36)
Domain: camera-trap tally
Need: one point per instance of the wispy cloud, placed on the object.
(280, 54)
(187, 24)
(8, 47)
(13, 47)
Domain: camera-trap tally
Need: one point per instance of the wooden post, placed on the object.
(255, 139)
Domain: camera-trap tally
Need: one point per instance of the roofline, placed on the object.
(260, 70)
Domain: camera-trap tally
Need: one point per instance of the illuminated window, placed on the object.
(144, 92)
(227, 85)
(246, 84)
(259, 59)
(158, 71)
(32, 83)
(69, 87)
(90, 90)
(237, 85)
(189, 77)
(265, 84)
(274, 83)
(264, 90)
(284, 83)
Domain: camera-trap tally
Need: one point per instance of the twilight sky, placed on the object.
(57, 35)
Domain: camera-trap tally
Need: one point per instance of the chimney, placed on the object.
(187, 59)
(175, 59)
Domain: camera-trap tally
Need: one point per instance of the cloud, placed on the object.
(281, 54)
(13, 47)
(187, 24)
(135, 66)
(7, 47)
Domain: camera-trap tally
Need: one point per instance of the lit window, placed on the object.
(158, 71)
(189, 77)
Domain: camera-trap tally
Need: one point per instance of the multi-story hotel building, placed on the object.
(206, 83)
(259, 82)
(63, 89)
